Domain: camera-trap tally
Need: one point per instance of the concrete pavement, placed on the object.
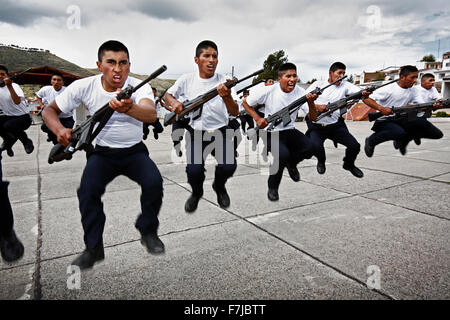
(332, 236)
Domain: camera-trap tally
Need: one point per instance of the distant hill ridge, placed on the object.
(17, 58)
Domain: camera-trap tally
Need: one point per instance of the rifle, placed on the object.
(284, 115)
(343, 103)
(195, 106)
(249, 86)
(14, 76)
(160, 97)
(410, 111)
(83, 135)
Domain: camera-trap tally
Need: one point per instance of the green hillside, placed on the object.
(16, 59)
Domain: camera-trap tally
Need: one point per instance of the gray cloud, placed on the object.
(23, 15)
(313, 34)
(166, 9)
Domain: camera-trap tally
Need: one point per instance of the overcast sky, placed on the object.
(365, 35)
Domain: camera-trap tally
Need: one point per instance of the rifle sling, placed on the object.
(106, 116)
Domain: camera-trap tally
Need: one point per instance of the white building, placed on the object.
(443, 75)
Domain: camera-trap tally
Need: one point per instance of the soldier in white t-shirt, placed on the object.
(47, 94)
(16, 117)
(119, 148)
(427, 93)
(333, 127)
(293, 146)
(402, 131)
(210, 128)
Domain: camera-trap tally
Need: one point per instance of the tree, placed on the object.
(429, 58)
(271, 65)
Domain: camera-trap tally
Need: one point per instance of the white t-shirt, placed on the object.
(331, 94)
(121, 131)
(393, 95)
(275, 99)
(7, 104)
(214, 114)
(260, 87)
(241, 107)
(48, 94)
(426, 95)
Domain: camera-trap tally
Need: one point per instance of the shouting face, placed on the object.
(115, 67)
(57, 82)
(288, 80)
(207, 63)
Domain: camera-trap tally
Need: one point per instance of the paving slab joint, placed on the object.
(37, 292)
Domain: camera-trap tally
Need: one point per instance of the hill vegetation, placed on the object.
(16, 59)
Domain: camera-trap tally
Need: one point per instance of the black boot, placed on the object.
(153, 243)
(222, 196)
(321, 167)
(90, 256)
(354, 170)
(368, 148)
(272, 194)
(11, 248)
(28, 146)
(191, 203)
(400, 145)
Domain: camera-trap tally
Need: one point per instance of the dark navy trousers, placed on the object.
(13, 128)
(199, 144)
(403, 131)
(293, 147)
(337, 132)
(103, 165)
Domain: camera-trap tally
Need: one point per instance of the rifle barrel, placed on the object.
(15, 76)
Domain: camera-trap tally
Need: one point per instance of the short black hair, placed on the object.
(112, 45)
(427, 76)
(57, 73)
(205, 44)
(336, 66)
(286, 66)
(407, 70)
(2, 67)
